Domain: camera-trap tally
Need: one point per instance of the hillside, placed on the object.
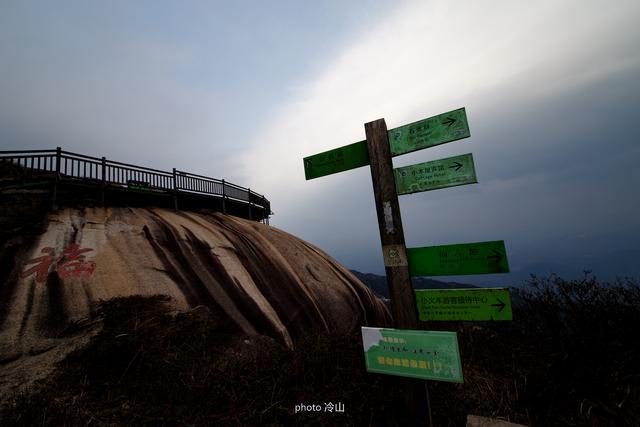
(378, 284)
(567, 359)
(148, 316)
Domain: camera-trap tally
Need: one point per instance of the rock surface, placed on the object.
(254, 278)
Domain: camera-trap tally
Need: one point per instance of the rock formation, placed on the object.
(253, 277)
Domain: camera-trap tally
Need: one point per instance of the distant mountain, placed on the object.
(378, 284)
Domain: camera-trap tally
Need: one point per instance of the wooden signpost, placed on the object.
(400, 264)
(390, 226)
(403, 302)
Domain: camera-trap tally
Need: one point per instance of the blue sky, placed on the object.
(245, 90)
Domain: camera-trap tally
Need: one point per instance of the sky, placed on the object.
(245, 90)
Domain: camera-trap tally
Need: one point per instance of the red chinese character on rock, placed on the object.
(42, 269)
(73, 264)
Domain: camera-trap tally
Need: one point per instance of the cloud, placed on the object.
(158, 84)
(496, 58)
(430, 57)
(120, 99)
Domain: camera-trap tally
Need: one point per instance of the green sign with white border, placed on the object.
(443, 173)
(428, 355)
(464, 304)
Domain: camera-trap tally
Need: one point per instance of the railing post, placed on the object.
(104, 179)
(267, 210)
(175, 190)
(57, 177)
(58, 156)
(224, 199)
(249, 200)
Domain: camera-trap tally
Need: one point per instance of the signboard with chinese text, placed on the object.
(464, 304)
(455, 260)
(443, 173)
(337, 160)
(436, 130)
(429, 355)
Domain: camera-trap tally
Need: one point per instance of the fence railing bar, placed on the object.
(183, 173)
(112, 162)
(79, 166)
(19, 158)
(2, 153)
(82, 156)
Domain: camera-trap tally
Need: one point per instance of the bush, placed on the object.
(584, 350)
(569, 357)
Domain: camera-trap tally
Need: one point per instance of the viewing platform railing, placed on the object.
(59, 166)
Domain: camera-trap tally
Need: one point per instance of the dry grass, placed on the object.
(570, 357)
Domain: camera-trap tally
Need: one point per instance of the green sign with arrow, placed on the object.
(454, 260)
(429, 355)
(425, 133)
(337, 160)
(443, 173)
(464, 304)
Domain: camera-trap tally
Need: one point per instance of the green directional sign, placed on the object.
(337, 160)
(464, 304)
(454, 260)
(429, 355)
(425, 133)
(443, 173)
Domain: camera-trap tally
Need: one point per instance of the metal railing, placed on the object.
(66, 166)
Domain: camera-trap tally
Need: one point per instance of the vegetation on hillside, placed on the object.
(378, 284)
(569, 357)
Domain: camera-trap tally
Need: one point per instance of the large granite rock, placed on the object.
(253, 277)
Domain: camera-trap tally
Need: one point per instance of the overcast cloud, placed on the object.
(552, 93)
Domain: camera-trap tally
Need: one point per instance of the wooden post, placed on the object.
(175, 190)
(224, 199)
(403, 302)
(104, 179)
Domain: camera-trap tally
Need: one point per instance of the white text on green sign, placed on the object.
(464, 304)
(455, 260)
(443, 173)
(425, 133)
(429, 355)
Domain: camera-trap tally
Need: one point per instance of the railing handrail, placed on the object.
(219, 181)
(113, 162)
(144, 168)
(264, 202)
(82, 156)
(183, 173)
(27, 152)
